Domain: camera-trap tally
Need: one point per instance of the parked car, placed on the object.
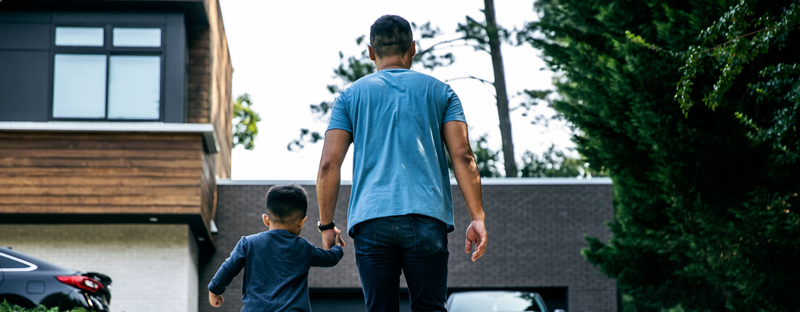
(26, 281)
(497, 301)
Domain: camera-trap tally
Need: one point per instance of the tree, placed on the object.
(482, 36)
(706, 202)
(245, 127)
(556, 164)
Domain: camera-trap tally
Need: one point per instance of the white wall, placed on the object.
(153, 266)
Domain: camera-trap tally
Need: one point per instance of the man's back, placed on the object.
(396, 118)
(401, 206)
(276, 267)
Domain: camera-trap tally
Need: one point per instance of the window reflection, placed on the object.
(79, 89)
(79, 36)
(134, 87)
(137, 37)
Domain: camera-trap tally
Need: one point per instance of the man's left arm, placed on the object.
(334, 150)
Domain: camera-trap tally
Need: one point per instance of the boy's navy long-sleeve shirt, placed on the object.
(276, 265)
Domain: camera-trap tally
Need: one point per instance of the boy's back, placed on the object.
(276, 265)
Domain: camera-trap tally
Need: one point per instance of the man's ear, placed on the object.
(302, 221)
(265, 217)
(412, 50)
(371, 51)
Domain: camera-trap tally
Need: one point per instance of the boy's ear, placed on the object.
(265, 217)
(302, 221)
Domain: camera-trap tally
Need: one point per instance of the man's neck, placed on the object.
(391, 62)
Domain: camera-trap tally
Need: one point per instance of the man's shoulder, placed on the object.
(406, 74)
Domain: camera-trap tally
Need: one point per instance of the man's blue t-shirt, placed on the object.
(396, 117)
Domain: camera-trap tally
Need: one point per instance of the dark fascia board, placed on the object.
(196, 11)
(204, 239)
(206, 130)
(484, 181)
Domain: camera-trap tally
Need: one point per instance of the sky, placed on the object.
(284, 53)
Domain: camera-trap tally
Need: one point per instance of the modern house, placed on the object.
(536, 232)
(115, 124)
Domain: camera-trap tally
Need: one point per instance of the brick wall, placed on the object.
(536, 234)
(153, 266)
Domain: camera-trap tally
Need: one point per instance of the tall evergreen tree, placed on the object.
(706, 196)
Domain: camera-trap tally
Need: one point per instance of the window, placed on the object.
(107, 73)
(9, 263)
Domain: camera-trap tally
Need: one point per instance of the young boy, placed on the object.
(276, 262)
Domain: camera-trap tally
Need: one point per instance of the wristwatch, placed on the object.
(326, 227)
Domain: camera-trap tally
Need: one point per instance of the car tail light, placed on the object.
(82, 282)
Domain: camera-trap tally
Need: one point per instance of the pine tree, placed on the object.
(706, 196)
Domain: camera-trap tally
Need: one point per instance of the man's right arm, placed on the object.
(334, 150)
(468, 177)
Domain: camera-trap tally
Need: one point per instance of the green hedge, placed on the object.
(7, 307)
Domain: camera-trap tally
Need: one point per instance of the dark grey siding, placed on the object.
(536, 235)
(24, 66)
(26, 59)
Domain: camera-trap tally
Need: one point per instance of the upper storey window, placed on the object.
(79, 36)
(107, 73)
(137, 37)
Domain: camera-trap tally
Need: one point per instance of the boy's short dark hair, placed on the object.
(286, 203)
(390, 35)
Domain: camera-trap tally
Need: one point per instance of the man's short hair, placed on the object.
(286, 203)
(390, 35)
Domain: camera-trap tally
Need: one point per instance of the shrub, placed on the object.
(7, 307)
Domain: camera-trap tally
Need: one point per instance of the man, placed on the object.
(401, 206)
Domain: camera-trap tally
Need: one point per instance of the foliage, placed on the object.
(486, 158)
(245, 122)
(7, 307)
(481, 36)
(705, 203)
(555, 164)
(551, 164)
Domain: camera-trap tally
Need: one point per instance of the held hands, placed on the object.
(215, 300)
(476, 234)
(332, 237)
(338, 239)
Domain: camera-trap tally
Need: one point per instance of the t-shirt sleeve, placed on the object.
(325, 258)
(453, 110)
(229, 269)
(340, 119)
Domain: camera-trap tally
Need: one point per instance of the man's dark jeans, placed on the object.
(415, 244)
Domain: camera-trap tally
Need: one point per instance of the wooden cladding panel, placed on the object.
(199, 74)
(101, 173)
(210, 77)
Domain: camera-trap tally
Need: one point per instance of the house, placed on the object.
(536, 232)
(115, 124)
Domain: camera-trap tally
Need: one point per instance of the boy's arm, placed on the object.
(229, 269)
(215, 300)
(327, 258)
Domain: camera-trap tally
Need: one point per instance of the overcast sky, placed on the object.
(284, 52)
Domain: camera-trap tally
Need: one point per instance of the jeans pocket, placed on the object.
(430, 235)
(365, 236)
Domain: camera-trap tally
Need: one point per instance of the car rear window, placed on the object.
(11, 263)
(494, 301)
